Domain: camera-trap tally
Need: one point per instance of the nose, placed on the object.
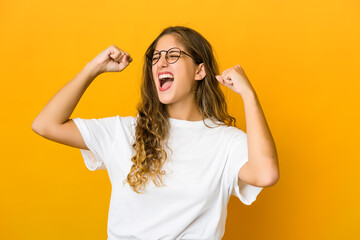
(162, 61)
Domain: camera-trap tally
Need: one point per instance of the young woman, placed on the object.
(175, 165)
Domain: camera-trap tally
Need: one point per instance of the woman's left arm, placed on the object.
(262, 168)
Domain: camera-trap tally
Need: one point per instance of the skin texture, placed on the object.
(179, 99)
(262, 169)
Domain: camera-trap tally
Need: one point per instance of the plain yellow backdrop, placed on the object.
(302, 58)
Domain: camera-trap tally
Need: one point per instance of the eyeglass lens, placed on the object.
(171, 56)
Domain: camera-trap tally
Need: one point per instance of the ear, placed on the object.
(200, 72)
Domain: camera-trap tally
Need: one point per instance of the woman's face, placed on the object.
(183, 71)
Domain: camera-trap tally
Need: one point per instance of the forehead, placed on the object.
(168, 41)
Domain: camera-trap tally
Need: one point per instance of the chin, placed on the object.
(165, 101)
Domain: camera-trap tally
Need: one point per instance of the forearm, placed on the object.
(60, 107)
(261, 146)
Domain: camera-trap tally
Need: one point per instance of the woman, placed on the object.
(175, 165)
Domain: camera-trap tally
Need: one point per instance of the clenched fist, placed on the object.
(112, 59)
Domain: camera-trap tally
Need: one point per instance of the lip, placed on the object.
(166, 72)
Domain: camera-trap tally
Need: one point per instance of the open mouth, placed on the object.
(165, 81)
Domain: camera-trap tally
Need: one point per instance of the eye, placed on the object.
(155, 57)
(174, 54)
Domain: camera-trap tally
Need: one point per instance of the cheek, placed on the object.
(187, 74)
(153, 75)
(184, 72)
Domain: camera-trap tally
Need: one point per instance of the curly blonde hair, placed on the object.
(152, 126)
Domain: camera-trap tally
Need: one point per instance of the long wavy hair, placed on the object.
(152, 124)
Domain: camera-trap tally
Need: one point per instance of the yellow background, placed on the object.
(302, 58)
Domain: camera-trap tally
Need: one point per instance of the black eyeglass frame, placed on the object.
(166, 53)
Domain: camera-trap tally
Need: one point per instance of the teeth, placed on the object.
(162, 76)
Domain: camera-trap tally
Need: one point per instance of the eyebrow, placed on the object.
(166, 49)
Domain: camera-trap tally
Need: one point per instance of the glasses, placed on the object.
(171, 55)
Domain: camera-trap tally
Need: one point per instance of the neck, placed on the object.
(184, 111)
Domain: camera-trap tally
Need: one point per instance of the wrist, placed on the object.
(93, 69)
(249, 93)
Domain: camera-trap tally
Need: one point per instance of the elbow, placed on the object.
(271, 181)
(36, 129)
(269, 178)
(272, 173)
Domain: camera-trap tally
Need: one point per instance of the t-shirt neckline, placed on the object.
(186, 123)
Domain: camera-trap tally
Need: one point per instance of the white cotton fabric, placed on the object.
(201, 175)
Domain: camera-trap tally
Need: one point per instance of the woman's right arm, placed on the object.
(53, 121)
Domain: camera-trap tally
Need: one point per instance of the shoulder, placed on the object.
(221, 126)
(126, 119)
(126, 123)
(236, 131)
(230, 133)
(112, 123)
(236, 134)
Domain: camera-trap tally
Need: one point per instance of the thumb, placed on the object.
(220, 79)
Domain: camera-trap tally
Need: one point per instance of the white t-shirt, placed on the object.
(201, 174)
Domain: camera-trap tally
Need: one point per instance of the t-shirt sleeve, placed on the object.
(99, 135)
(238, 156)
